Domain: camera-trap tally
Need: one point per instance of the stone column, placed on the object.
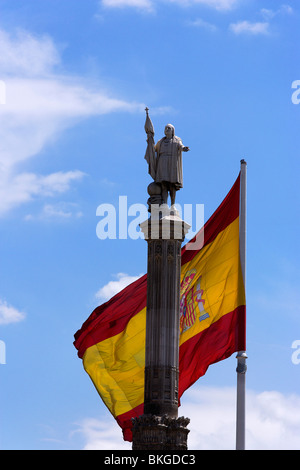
(160, 428)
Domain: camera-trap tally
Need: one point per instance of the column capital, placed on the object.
(168, 226)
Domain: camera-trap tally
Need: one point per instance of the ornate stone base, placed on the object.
(159, 433)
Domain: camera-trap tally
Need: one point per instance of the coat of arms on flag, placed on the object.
(191, 301)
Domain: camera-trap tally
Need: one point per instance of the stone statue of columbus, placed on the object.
(165, 163)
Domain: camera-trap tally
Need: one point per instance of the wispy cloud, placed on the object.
(58, 211)
(139, 4)
(41, 103)
(200, 23)
(24, 54)
(9, 314)
(283, 9)
(149, 5)
(16, 189)
(246, 27)
(260, 27)
(61, 210)
(100, 435)
(113, 287)
(220, 5)
(272, 422)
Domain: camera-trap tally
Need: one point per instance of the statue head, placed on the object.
(169, 131)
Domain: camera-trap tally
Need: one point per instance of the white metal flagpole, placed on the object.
(242, 356)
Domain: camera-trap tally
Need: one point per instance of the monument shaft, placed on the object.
(162, 327)
(159, 428)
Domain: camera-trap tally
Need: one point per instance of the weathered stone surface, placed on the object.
(159, 433)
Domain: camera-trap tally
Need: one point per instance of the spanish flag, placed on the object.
(111, 343)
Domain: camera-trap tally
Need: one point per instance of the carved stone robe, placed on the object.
(169, 161)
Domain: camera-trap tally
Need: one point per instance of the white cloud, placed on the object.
(200, 23)
(38, 110)
(272, 422)
(246, 27)
(140, 4)
(260, 27)
(9, 314)
(101, 435)
(40, 104)
(269, 14)
(24, 187)
(26, 55)
(113, 287)
(220, 5)
(149, 5)
(59, 211)
(272, 419)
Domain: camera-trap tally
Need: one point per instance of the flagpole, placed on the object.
(242, 356)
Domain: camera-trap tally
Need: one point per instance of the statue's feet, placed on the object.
(174, 210)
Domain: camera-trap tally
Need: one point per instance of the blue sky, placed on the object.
(77, 77)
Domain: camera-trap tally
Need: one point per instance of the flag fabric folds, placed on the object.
(150, 150)
(111, 343)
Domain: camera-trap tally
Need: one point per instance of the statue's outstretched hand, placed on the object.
(186, 149)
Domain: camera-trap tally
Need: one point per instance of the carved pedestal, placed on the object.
(159, 433)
